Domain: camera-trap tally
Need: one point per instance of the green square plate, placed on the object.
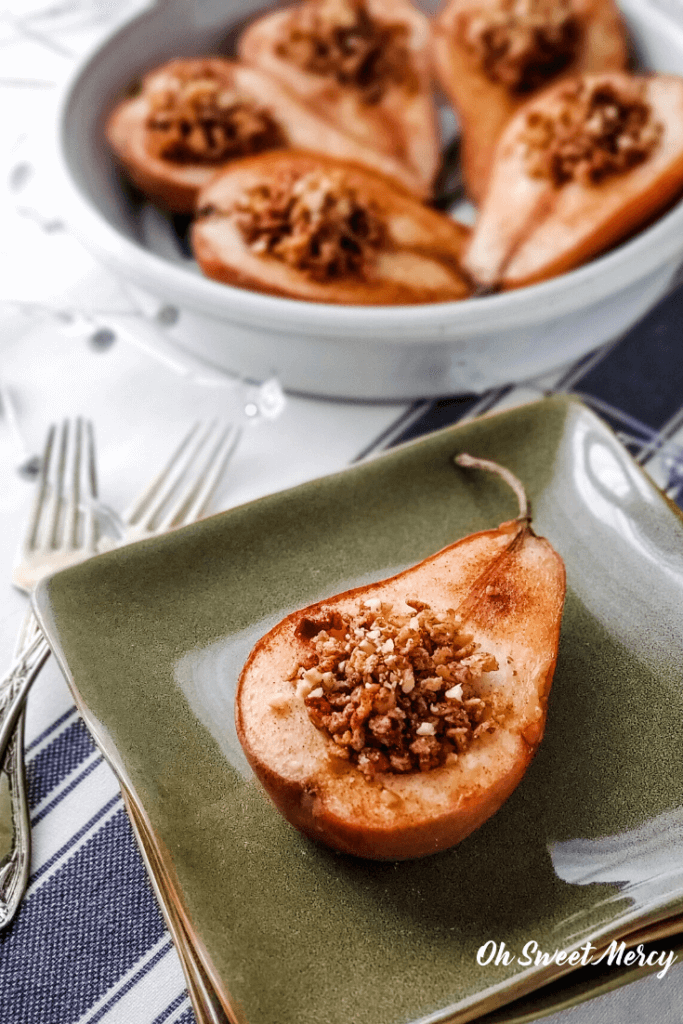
(152, 639)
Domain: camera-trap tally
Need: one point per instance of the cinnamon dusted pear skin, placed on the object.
(491, 56)
(193, 117)
(309, 227)
(392, 720)
(362, 65)
(580, 167)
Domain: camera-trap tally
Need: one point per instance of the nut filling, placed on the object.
(596, 131)
(395, 692)
(339, 39)
(314, 223)
(523, 43)
(201, 118)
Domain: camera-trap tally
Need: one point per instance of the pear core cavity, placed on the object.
(196, 115)
(523, 43)
(312, 222)
(594, 131)
(395, 691)
(340, 39)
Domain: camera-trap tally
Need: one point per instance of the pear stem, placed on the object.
(470, 462)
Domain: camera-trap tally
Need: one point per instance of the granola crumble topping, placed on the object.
(339, 39)
(314, 223)
(395, 692)
(198, 116)
(596, 131)
(523, 43)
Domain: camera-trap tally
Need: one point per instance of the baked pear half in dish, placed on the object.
(308, 227)
(490, 56)
(580, 167)
(192, 117)
(392, 720)
(364, 66)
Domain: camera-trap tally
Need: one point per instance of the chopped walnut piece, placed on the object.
(522, 44)
(339, 39)
(372, 718)
(314, 223)
(197, 116)
(596, 130)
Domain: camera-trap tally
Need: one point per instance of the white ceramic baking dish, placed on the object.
(368, 353)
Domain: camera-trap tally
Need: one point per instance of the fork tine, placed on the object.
(207, 481)
(90, 520)
(39, 501)
(174, 494)
(71, 514)
(140, 507)
(184, 488)
(79, 514)
(63, 517)
(57, 474)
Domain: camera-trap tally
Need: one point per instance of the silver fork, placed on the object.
(61, 531)
(179, 495)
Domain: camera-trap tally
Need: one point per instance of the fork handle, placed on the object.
(15, 867)
(15, 686)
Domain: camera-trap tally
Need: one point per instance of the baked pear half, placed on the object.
(392, 720)
(364, 66)
(491, 56)
(580, 167)
(309, 227)
(193, 117)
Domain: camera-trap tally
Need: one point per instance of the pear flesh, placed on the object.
(484, 106)
(401, 123)
(508, 586)
(175, 185)
(531, 229)
(416, 257)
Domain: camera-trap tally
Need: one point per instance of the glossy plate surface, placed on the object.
(153, 638)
